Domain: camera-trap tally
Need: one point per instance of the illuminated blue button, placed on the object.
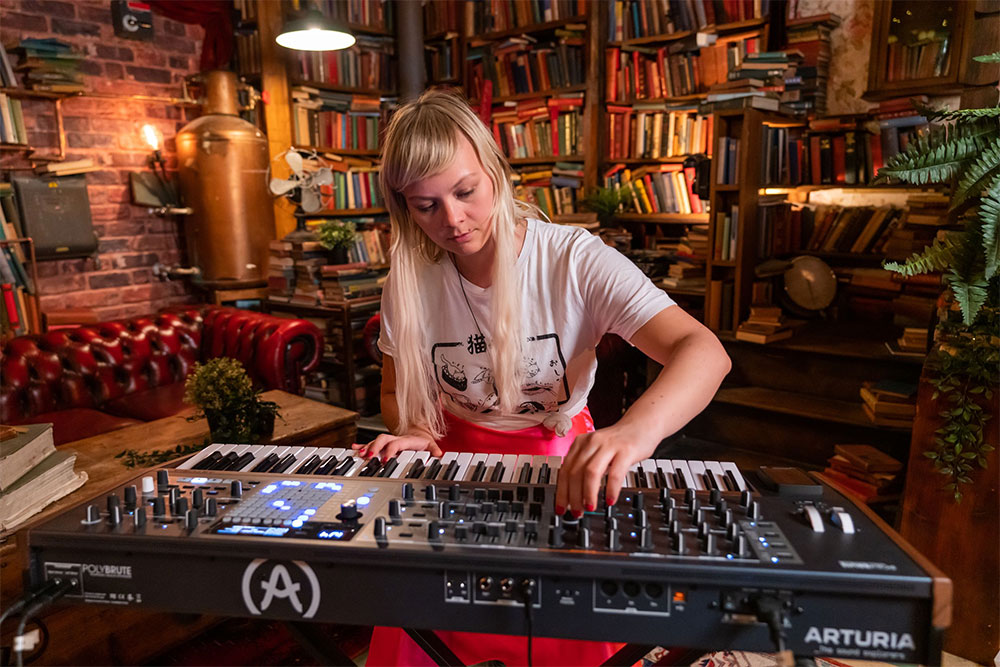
(774, 559)
(278, 503)
(297, 523)
(363, 500)
(291, 482)
(270, 488)
(199, 480)
(730, 556)
(310, 511)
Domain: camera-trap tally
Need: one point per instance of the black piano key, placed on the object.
(416, 470)
(328, 464)
(640, 480)
(346, 464)
(479, 472)
(450, 471)
(708, 480)
(731, 482)
(266, 463)
(207, 462)
(433, 469)
(543, 474)
(681, 482)
(224, 462)
(241, 462)
(525, 476)
(661, 480)
(389, 467)
(284, 464)
(673, 481)
(370, 468)
(308, 465)
(497, 472)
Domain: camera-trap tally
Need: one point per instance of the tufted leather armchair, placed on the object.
(92, 379)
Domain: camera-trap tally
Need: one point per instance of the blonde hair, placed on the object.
(421, 141)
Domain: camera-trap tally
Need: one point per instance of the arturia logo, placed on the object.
(853, 638)
(268, 582)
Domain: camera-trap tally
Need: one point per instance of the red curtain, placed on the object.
(215, 16)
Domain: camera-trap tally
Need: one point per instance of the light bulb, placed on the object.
(152, 136)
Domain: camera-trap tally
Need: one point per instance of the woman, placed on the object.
(490, 318)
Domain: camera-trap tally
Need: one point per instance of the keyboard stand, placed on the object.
(435, 649)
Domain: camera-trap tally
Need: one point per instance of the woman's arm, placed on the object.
(694, 364)
(386, 446)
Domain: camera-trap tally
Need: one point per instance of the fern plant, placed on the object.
(962, 150)
(607, 202)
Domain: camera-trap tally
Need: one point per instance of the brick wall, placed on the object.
(118, 282)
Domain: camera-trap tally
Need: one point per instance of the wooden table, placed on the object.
(97, 634)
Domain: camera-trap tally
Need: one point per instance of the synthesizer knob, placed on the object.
(93, 515)
(236, 489)
(378, 528)
(348, 512)
(720, 508)
(689, 495)
(511, 526)
(641, 519)
(646, 539)
(434, 530)
(611, 524)
(139, 517)
(695, 506)
(197, 498)
(703, 529)
(675, 527)
(454, 492)
(130, 495)
(714, 496)
(148, 485)
(614, 540)
(732, 531)
(753, 511)
(745, 498)
(665, 498)
(638, 500)
(159, 507)
(842, 520)
(530, 528)
(114, 515)
(669, 514)
(487, 507)
(710, 543)
(479, 495)
(394, 512)
(444, 509)
(609, 512)
(728, 517)
(583, 538)
(461, 531)
(180, 507)
(813, 518)
(162, 479)
(191, 519)
(407, 491)
(555, 533)
(173, 496)
(742, 546)
(212, 507)
(430, 492)
(113, 500)
(678, 543)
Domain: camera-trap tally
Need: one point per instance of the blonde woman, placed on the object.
(490, 319)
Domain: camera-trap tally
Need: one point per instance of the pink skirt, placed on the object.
(392, 646)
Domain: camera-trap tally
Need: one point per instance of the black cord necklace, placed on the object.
(461, 284)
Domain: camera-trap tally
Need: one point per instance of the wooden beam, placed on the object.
(277, 104)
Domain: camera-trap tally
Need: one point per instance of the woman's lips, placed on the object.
(462, 238)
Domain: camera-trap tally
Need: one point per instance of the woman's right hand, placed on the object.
(386, 446)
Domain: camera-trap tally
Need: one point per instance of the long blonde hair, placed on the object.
(421, 141)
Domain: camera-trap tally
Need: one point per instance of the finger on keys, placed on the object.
(593, 476)
(569, 484)
(616, 475)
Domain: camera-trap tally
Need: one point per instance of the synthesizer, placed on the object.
(694, 553)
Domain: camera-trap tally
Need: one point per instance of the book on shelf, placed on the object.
(49, 480)
(867, 458)
(369, 64)
(21, 449)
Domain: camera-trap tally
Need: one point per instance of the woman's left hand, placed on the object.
(610, 451)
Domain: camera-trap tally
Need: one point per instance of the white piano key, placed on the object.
(446, 461)
(555, 462)
(715, 470)
(203, 454)
(403, 460)
(731, 467)
(258, 456)
(664, 466)
(536, 467)
(681, 466)
(491, 463)
(463, 460)
(509, 462)
(632, 476)
(698, 472)
(519, 464)
(648, 469)
(474, 463)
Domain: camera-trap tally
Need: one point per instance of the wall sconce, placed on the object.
(155, 189)
(312, 31)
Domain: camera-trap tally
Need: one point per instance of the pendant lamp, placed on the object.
(312, 31)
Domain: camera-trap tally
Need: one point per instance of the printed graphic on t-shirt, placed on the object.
(464, 375)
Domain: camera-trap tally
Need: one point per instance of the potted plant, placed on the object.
(338, 237)
(956, 431)
(224, 395)
(608, 202)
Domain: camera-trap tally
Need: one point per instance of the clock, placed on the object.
(810, 283)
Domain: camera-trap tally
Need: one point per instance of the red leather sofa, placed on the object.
(96, 378)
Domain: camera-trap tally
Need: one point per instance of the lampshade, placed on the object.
(311, 31)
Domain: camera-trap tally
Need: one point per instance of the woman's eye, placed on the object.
(465, 194)
(426, 209)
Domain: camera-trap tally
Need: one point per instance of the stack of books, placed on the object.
(49, 65)
(12, 129)
(354, 282)
(899, 125)
(914, 339)
(766, 324)
(336, 120)
(67, 168)
(864, 471)
(33, 473)
(805, 90)
(280, 269)
(556, 190)
(890, 402)
(755, 80)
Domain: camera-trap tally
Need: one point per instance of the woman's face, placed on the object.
(453, 207)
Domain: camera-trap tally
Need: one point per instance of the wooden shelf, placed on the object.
(544, 159)
(666, 218)
(857, 340)
(808, 187)
(693, 97)
(442, 35)
(25, 93)
(551, 92)
(677, 159)
(526, 29)
(343, 151)
(343, 212)
(674, 36)
(800, 405)
(344, 89)
(15, 147)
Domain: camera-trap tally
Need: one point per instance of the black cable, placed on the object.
(29, 597)
(36, 606)
(528, 598)
(772, 611)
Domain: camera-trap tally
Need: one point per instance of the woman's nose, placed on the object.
(452, 212)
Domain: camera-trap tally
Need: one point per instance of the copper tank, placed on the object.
(222, 161)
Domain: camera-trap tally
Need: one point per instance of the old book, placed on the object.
(46, 483)
(868, 458)
(30, 445)
(752, 335)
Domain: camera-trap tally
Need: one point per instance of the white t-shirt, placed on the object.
(574, 290)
